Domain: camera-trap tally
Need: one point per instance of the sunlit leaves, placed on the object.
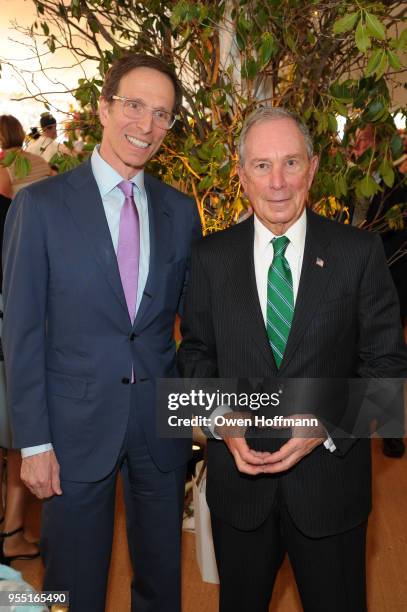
(387, 173)
(362, 38)
(374, 27)
(346, 23)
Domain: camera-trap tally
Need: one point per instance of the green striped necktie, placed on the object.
(280, 299)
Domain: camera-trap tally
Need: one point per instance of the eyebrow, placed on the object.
(268, 159)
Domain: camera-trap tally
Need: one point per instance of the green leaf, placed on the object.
(396, 146)
(341, 186)
(249, 69)
(267, 48)
(196, 165)
(400, 43)
(341, 92)
(224, 171)
(346, 23)
(394, 217)
(332, 123)
(394, 60)
(341, 108)
(387, 172)
(9, 158)
(206, 182)
(374, 27)
(243, 24)
(374, 110)
(45, 28)
(362, 39)
(218, 152)
(322, 125)
(22, 166)
(179, 14)
(240, 40)
(93, 24)
(367, 187)
(290, 42)
(382, 67)
(373, 62)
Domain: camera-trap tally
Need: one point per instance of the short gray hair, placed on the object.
(272, 113)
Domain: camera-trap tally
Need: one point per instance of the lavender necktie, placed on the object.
(128, 248)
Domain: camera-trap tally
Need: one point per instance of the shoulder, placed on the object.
(333, 231)
(51, 192)
(171, 194)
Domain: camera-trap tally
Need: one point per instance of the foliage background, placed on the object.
(322, 59)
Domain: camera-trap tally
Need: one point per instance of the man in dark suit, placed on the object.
(291, 295)
(96, 262)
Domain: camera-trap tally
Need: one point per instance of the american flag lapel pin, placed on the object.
(319, 262)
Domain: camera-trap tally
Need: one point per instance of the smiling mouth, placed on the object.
(137, 143)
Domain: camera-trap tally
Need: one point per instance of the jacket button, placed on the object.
(132, 337)
(125, 381)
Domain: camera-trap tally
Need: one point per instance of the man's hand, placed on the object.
(304, 440)
(247, 461)
(40, 473)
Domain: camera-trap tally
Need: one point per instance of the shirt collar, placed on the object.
(107, 178)
(295, 233)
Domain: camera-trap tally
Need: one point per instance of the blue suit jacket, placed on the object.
(68, 339)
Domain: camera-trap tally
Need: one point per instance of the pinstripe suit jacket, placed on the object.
(346, 324)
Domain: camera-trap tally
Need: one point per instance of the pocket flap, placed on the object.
(66, 385)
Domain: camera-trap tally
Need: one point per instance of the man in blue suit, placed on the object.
(96, 263)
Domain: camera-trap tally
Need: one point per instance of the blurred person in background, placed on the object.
(12, 137)
(47, 145)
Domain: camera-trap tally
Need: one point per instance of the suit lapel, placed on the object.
(246, 298)
(162, 247)
(86, 208)
(317, 268)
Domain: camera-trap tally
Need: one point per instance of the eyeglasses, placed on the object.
(135, 109)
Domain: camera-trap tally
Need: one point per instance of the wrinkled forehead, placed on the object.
(275, 137)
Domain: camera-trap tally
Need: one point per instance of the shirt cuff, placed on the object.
(219, 411)
(35, 450)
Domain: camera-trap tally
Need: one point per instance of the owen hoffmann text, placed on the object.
(229, 420)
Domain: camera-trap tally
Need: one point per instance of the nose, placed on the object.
(145, 123)
(276, 178)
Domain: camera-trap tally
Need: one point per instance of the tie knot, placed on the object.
(127, 188)
(279, 245)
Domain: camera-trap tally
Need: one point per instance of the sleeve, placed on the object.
(25, 282)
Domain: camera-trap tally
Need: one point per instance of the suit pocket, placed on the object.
(65, 385)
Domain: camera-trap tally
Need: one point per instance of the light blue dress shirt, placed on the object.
(107, 180)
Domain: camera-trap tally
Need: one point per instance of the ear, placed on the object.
(104, 110)
(313, 167)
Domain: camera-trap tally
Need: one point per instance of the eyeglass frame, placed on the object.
(124, 99)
